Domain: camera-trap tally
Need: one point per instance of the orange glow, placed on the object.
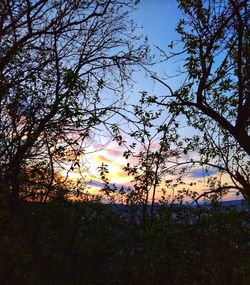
(112, 157)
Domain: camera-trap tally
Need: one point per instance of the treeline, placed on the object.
(92, 243)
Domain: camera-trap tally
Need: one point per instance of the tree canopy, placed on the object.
(63, 68)
(57, 58)
(215, 95)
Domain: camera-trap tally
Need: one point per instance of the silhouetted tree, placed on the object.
(57, 59)
(215, 95)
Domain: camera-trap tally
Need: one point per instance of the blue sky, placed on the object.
(200, 173)
(158, 19)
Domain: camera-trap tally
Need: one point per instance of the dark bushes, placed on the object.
(93, 243)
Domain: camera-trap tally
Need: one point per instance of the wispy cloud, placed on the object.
(103, 158)
(200, 173)
(94, 183)
(115, 152)
(100, 184)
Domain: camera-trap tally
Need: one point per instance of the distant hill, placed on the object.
(239, 204)
(236, 203)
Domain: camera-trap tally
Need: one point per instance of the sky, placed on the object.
(157, 19)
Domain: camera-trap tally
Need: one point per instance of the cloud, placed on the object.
(122, 174)
(103, 158)
(100, 184)
(200, 173)
(94, 183)
(114, 152)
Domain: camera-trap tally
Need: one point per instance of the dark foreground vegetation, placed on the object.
(93, 243)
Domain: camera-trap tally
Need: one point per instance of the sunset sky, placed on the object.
(158, 20)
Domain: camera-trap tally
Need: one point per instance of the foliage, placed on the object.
(215, 97)
(93, 243)
(150, 151)
(57, 59)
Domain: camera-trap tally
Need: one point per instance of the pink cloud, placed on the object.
(114, 152)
